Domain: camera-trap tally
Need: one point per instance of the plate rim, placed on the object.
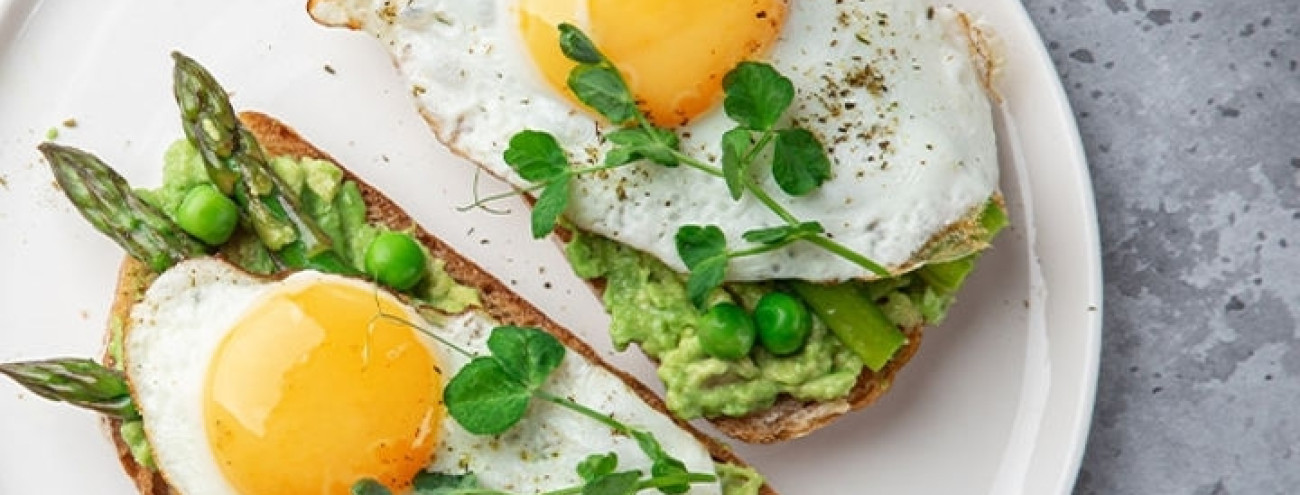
(1063, 113)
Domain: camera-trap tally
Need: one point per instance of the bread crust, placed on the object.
(499, 302)
(791, 418)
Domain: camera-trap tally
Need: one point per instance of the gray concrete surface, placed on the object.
(1190, 113)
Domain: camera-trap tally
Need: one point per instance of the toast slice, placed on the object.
(788, 418)
(506, 307)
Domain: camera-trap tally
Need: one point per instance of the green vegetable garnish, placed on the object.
(756, 95)
(238, 168)
(756, 98)
(208, 215)
(783, 323)
(444, 484)
(601, 483)
(396, 260)
(80, 382)
(727, 332)
(704, 250)
(600, 87)
(798, 162)
(490, 395)
(857, 321)
(107, 201)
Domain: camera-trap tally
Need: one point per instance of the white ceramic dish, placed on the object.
(998, 400)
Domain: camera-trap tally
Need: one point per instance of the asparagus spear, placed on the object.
(856, 320)
(80, 382)
(237, 166)
(107, 201)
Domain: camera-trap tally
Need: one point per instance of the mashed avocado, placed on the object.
(738, 480)
(131, 430)
(333, 203)
(648, 305)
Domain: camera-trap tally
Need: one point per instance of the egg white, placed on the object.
(907, 161)
(186, 313)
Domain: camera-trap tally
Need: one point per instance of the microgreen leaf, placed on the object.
(648, 444)
(427, 483)
(696, 244)
(597, 465)
(668, 466)
(622, 483)
(370, 487)
(654, 144)
(536, 156)
(704, 251)
(550, 204)
(757, 95)
(783, 233)
(799, 162)
(664, 465)
(705, 277)
(735, 145)
(484, 399)
(527, 354)
(577, 46)
(602, 89)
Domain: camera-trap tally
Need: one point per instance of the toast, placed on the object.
(438, 101)
(278, 139)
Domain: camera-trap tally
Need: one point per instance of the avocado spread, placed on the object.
(648, 306)
(737, 480)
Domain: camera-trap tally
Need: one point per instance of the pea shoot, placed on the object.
(491, 394)
(756, 98)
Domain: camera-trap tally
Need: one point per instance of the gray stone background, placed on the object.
(1190, 114)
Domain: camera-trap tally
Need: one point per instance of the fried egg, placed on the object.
(251, 385)
(893, 88)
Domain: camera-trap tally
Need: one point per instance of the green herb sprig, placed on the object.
(756, 98)
(600, 483)
(491, 394)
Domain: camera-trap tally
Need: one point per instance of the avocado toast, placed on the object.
(452, 284)
(846, 159)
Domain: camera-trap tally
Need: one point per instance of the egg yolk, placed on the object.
(672, 53)
(310, 392)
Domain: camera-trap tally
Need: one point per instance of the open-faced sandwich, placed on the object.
(773, 198)
(281, 327)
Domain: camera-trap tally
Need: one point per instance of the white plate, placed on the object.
(997, 401)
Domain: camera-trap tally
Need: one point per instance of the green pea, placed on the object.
(727, 332)
(783, 323)
(207, 214)
(395, 260)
